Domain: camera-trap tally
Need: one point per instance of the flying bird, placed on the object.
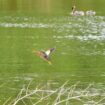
(45, 54)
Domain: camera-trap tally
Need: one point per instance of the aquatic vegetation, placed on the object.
(63, 95)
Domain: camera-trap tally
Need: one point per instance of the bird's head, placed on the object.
(73, 8)
(37, 52)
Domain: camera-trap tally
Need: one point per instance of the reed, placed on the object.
(64, 95)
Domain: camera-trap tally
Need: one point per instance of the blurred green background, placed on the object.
(27, 25)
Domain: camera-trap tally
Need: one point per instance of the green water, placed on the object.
(27, 25)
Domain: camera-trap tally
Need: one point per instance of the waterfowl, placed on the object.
(45, 54)
(90, 13)
(76, 13)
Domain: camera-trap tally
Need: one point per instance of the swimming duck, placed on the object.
(90, 13)
(76, 13)
(45, 54)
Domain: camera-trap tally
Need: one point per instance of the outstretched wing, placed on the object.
(45, 54)
(48, 52)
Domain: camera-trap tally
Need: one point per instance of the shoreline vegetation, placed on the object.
(63, 95)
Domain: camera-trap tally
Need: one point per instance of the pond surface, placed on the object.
(28, 25)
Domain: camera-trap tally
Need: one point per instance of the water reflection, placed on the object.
(8, 6)
(27, 5)
(50, 6)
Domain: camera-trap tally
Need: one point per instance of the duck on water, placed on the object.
(74, 12)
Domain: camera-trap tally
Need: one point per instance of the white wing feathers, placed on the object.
(47, 52)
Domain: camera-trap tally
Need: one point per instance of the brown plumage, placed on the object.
(45, 54)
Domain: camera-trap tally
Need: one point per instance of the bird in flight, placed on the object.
(45, 55)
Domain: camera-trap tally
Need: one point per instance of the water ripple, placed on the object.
(24, 25)
(82, 38)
